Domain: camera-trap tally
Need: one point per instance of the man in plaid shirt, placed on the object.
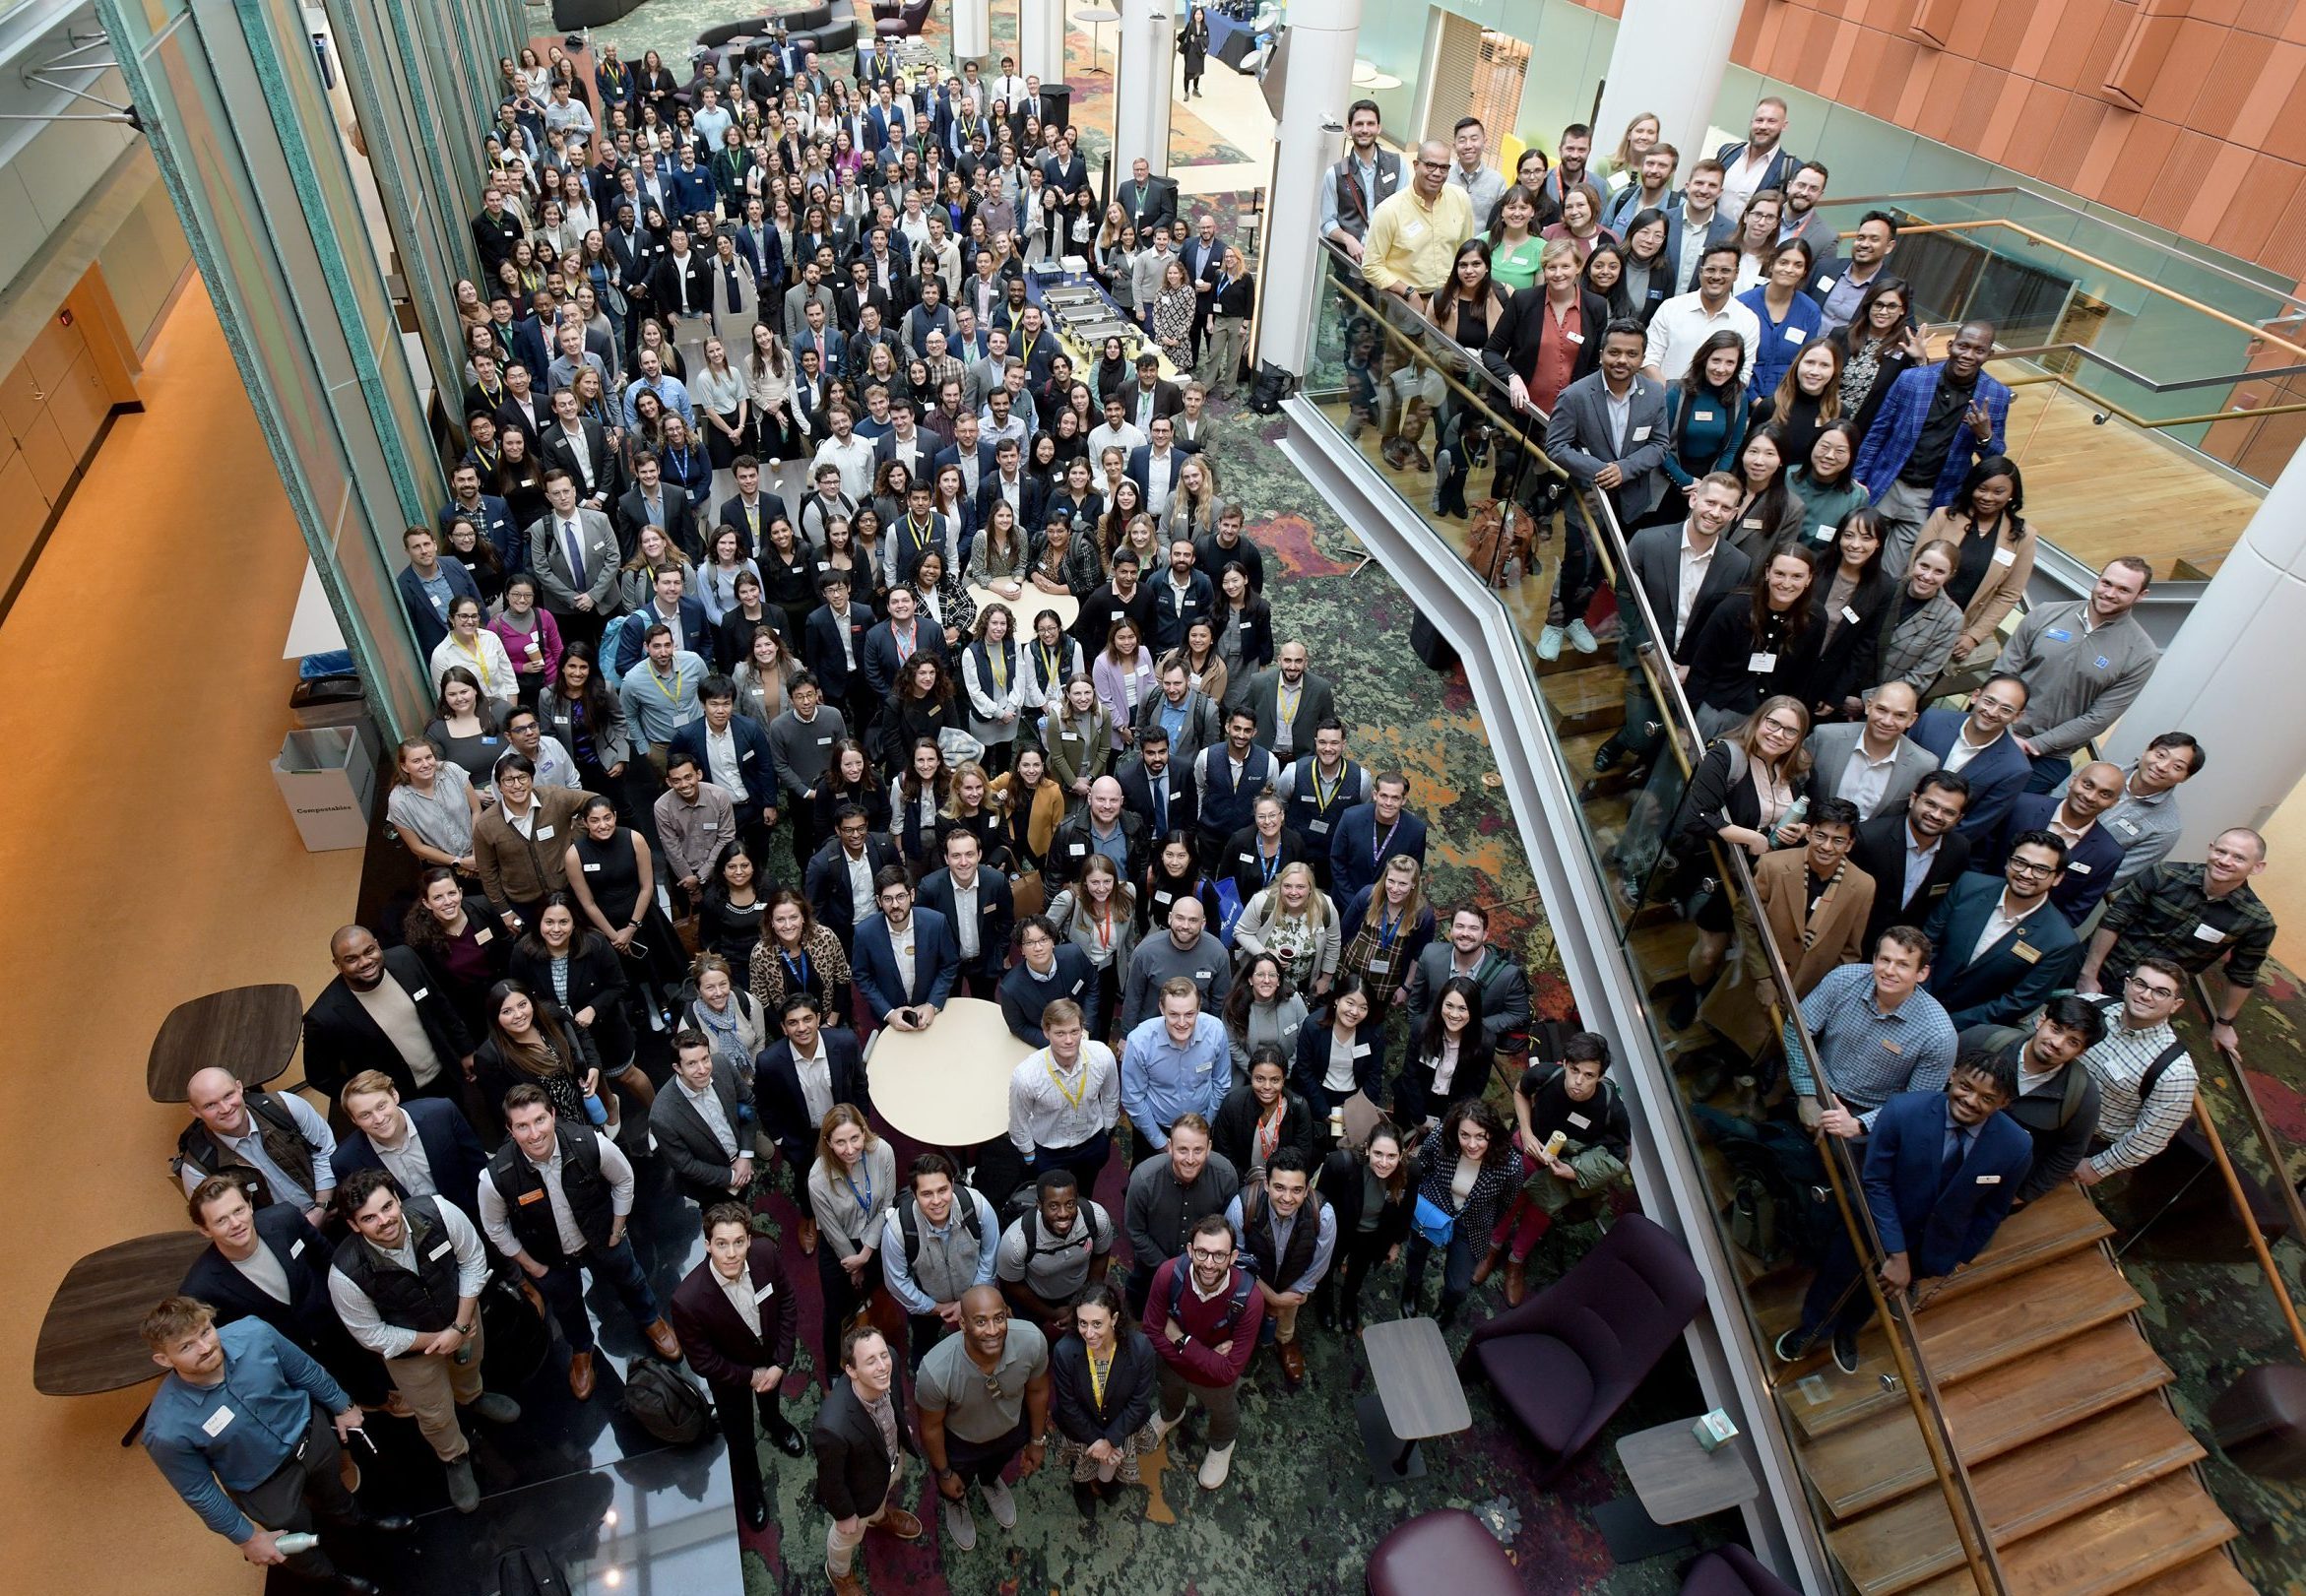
(2196, 917)
(2133, 1124)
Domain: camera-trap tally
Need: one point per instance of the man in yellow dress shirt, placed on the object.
(1413, 236)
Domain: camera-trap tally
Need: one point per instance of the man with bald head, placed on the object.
(2094, 854)
(384, 1012)
(1188, 951)
(984, 1399)
(1872, 762)
(2199, 917)
(1413, 236)
(236, 1129)
(1289, 701)
(1102, 825)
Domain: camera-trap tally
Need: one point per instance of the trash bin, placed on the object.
(1057, 104)
(326, 775)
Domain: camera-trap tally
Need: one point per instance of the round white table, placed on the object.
(1032, 602)
(948, 1085)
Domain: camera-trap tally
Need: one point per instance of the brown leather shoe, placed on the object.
(580, 1375)
(348, 1470)
(846, 1584)
(1517, 1282)
(1293, 1362)
(661, 1337)
(902, 1524)
(1488, 1265)
(808, 1235)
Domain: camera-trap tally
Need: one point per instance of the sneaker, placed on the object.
(960, 1528)
(496, 1408)
(1216, 1466)
(1845, 1351)
(1003, 1503)
(1581, 638)
(1791, 1347)
(1441, 464)
(464, 1491)
(1549, 643)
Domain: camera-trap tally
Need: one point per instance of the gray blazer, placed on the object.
(1579, 439)
(549, 558)
(688, 1146)
(1830, 748)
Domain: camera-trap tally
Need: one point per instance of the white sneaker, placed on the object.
(960, 1528)
(1581, 638)
(1549, 643)
(1216, 1466)
(1162, 1427)
(1003, 1505)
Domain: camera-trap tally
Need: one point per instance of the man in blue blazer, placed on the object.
(430, 1129)
(892, 645)
(422, 583)
(889, 998)
(755, 802)
(1162, 455)
(1979, 745)
(1368, 833)
(2092, 854)
(993, 911)
(2001, 950)
(1942, 1168)
(670, 607)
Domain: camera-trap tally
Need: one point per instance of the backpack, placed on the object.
(663, 1401)
(1245, 1281)
(531, 1570)
(1780, 1209)
(2011, 1039)
(909, 1222)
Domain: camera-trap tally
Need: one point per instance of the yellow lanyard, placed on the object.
(999, 660)
(1096, 1378)
(1072, 1094)
(1323, 799)
(1288, 697)
(672, 693)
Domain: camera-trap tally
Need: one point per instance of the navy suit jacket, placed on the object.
(950, 455)
(2090, 866)
(495, 526)
(1024, 999)
(1939, 1223)
(821, 646)
(1996, 777)
(1350, 867)
(1140, 467)
(878, 658)
(430, 625)
(308, 1317)
(826, 881)
(450, 1147)
(632, 642)
(937, 961)
(2013, 978)
(996, 917)
(753, 758)
(783, 1108)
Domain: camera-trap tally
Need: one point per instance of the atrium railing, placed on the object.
(1372, 360)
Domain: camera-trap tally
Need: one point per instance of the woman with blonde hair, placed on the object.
(1098, 913)
(1192, 508)
(1383, 929)
(851, 1187)
(1294, 922)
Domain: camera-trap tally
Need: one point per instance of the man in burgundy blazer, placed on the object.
(734, 1315)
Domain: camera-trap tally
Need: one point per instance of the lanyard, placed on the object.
(797, 973)
(1325, 796)
(1268, 865)
(1386, 928)
(1049, 664)
(1103, 924)
(1072, 1095)
(1097, 1380)
(865, 1197)
(672, 693)
(1377, 849)
(1000, 664)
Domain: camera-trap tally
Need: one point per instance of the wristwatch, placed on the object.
(466, 1331)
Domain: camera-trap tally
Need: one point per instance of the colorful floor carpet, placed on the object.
(671, 28)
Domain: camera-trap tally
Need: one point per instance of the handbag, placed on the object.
(1361, 1118)
(1433, 1222)
(1229, 908)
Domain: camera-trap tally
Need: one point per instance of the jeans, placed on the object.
(1456, 1267)
(563, 1290)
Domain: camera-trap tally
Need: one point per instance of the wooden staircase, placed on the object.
(2056, 1405)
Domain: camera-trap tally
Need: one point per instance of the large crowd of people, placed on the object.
(761, 727)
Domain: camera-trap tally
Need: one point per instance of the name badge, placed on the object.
(825, 742)
(2129, 826)
(1203, 1068)
(2102, 663)
(2058, 634)
(295, 1249)
(420, 995)
(590, 869)
(2005, 556)
(1319, 828)
(440, 1251)
(1164, 897)
(1762, 663)
(543, 833)
(686, 716)
(1246, 860)
(1701, 416)
(2207, 932)
(2028, 952)
(2078, 867)
(1574, 337)
(1939, 889)
(1079, 848)
(482, 935)
(1639, 433)
(1794, 335)
(1826, 282)
(1989, 1179)
(1849, 615)
(712, 825)
(1203, 975)
(528, 1197)
(1752, 523)
(1891, 1047)
(1361, 1050)
(1413, 228)
(747, 755)
(1070, 737)
(214, 1425)
(488, 742)
(1824, 531)
(1381, 965)
(1580, 1121)
(765, 1293)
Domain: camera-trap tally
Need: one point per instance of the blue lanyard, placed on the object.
(865, 1197)
(798, 974)
(1268, 865)
(1386, 929)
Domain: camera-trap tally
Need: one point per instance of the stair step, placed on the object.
(2061, 1223)
(2117, 1547)
(2004, 1322)
(2212, 1575)
(2023, 1493)
(1591, 698)
(1865, 1465)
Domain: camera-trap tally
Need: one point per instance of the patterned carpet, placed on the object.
(671, 28)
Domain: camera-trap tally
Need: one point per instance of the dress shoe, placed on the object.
(789, 1440)
(756, 1513)
(1326, 1311)
(1293, 1362)
(809, 1237)
(464, 1491)
(1516, 1281)
(580, 1375)
(1350, 1318)
(661, 1337)
(1488, 1265)
(844, 1584)
(1216, 1466)
(902, 1524)
(496, 1407)
(1085, 1501)
(348, 1470)
(384, 1523)
(397, 1406)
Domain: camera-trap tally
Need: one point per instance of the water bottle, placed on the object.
(595, 1109)
(1793, 818)
(296, 1541)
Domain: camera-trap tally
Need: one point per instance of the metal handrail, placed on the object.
(1842, 1175)
(2109, 406)
(2262, 1131)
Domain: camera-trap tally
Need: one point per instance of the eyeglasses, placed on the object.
(1782, 728)
(1433, 166)
(1201, 1256)
(2020, 867)
(2149, 989)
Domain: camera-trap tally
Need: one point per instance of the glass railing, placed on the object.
(1777, 1197)
(2130, 360)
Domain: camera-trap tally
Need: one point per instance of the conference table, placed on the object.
(88, 1339)
(947, 1086)
(252, 1031)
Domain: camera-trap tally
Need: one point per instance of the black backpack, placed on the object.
(909, 1220)
(531, 1570)
(514, 1339)
(665, 1403)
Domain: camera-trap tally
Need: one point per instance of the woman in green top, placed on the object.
(1705, 422)
(1823, 486)
(1514, 250)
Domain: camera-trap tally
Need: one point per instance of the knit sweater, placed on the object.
(1205, 1325)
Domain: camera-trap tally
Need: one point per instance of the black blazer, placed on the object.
(1342, 1189)
(996, 917)
(782, 1105)
(1236, 1124)
(307, 1317)
(1312, 1064)
(827, 883)
(596, 981)
(632, 515)
(1653, 557)
(853, 1463)
(340, 1040)
(1855, 644)
(1130, 1386)
(450, 1147)
(691, 1149)
(1248, 874)
(820, 645)
(719, 1347)
(1136, 793)
(1720, 656)
(1880, 851)
(1520, 333)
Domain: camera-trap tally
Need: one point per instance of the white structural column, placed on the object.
(1041, 44)
(972, 30)
(1144, 75)
(2231, 674)
(1317, 91)
(1668, 59)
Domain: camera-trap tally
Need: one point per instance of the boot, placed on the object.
(1488, 1265)
(1085, 1500)
(1351, 1318)
(1446, 1315)
(845, 1585)
(1517, 1282)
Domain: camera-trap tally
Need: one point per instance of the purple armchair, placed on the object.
(1732, 1571)
(1566, 1359)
